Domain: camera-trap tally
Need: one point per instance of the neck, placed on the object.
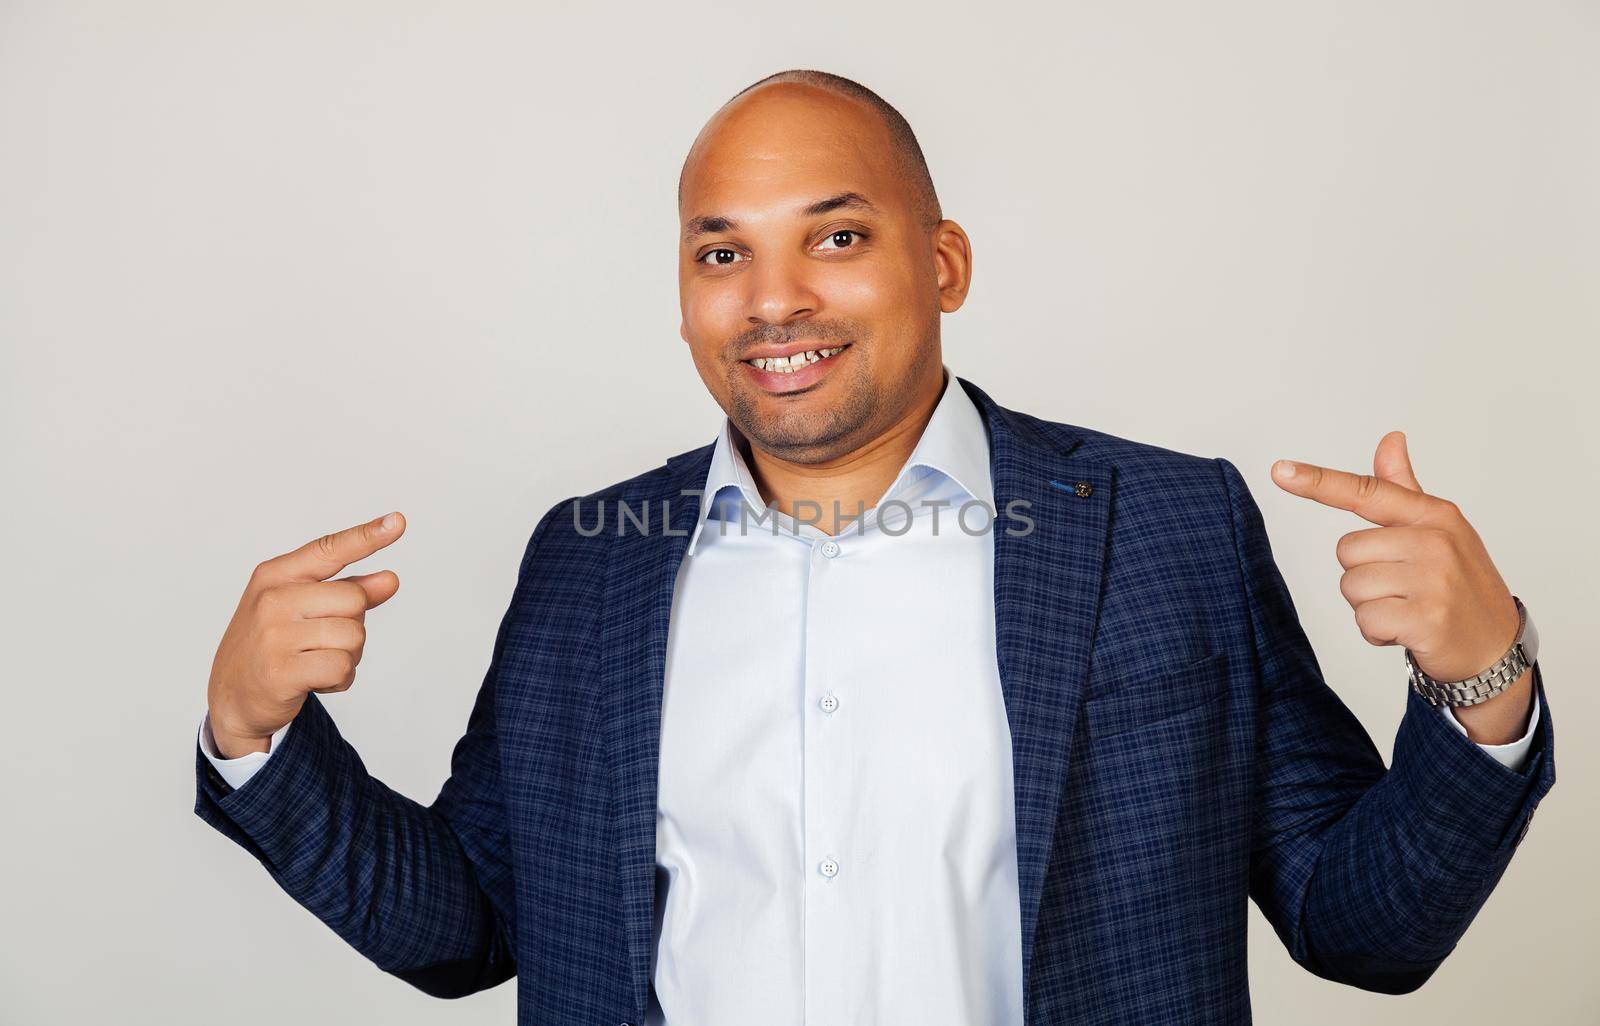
(809, 492)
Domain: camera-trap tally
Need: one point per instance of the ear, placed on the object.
(952, 262)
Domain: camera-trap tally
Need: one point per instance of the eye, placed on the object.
(719, 253)
(848, 233)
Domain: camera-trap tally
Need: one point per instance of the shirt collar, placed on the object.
(953, 444)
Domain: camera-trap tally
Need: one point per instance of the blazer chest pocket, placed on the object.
(1145, 703)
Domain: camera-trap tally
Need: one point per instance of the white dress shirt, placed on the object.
(835, 840)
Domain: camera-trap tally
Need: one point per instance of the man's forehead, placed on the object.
(773, 186)
(776, 166)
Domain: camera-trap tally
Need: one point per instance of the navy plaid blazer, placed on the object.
(1175, 750)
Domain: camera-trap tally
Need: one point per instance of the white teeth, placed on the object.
(792, 363)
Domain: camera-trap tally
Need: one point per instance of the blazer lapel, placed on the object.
(1046, 600)
(641, 573)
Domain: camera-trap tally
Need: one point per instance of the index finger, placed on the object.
(1382, 502)
(321, 558)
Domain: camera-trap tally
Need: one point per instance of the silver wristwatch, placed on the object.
(1523, 653)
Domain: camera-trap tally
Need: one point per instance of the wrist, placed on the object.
(1501, 719)
(1510, 669)
(231, 745)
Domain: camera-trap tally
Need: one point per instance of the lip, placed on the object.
(769, 352)
(793, 381)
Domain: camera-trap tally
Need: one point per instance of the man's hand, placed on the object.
(296, 632)
(1421, 579)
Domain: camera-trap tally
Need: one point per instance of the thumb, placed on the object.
(1393, 463)
(380, 586)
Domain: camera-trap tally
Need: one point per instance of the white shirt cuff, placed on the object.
(237, 771)
(1513, 754)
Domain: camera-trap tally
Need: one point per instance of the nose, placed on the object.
(780, 291)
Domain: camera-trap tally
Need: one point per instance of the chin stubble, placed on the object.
(805, 436)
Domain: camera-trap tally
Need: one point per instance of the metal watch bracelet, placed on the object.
(1485, 685)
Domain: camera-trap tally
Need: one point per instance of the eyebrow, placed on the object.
(709, 223)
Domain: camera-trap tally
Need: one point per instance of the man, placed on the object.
(893, 704)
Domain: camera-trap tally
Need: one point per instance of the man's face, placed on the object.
(800, 235)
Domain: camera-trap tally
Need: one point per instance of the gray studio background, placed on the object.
(269, 270)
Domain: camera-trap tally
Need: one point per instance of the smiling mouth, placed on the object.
(795, 361)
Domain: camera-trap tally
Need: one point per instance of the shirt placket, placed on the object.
(827, 865)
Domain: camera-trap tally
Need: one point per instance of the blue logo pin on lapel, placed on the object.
(1082, 489)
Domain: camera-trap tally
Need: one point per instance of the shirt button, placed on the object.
(829, 868)
(830, 549)
(829, 702)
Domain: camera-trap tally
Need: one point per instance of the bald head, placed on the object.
(832, 96)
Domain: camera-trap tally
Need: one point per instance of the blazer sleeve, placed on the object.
(425, 892)
(1369, 875)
